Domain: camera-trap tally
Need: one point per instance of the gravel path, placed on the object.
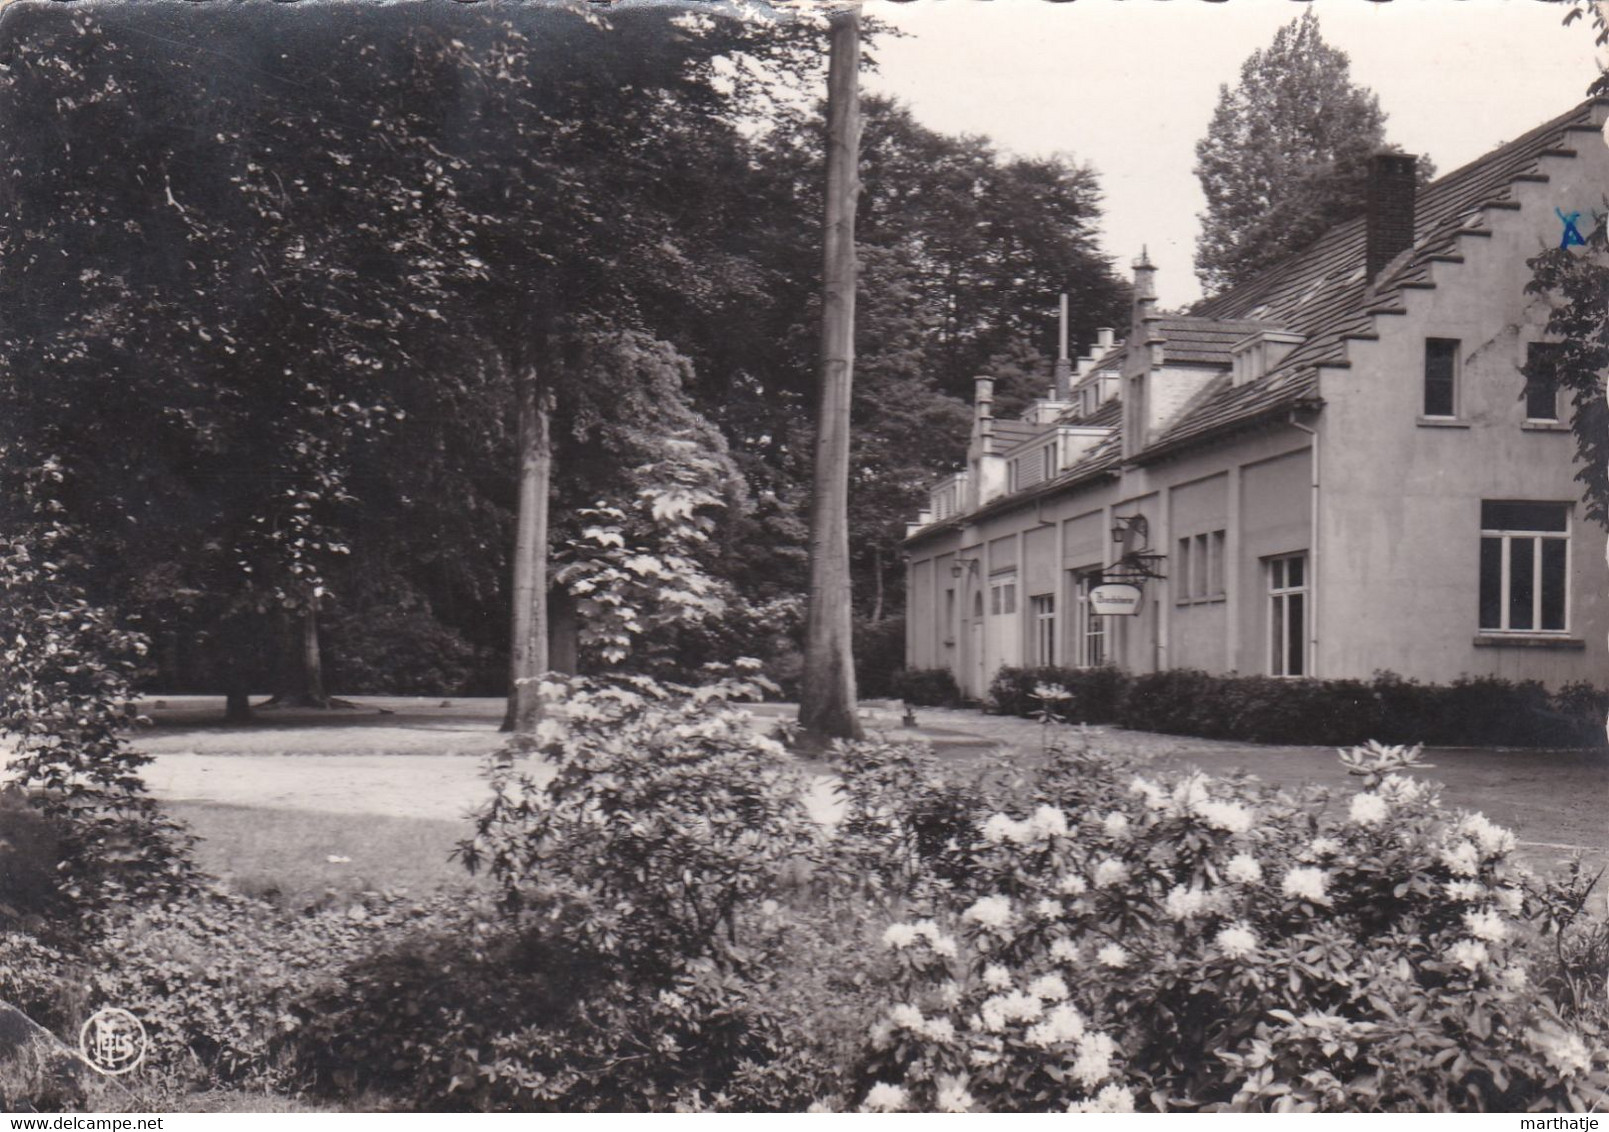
(422, 759)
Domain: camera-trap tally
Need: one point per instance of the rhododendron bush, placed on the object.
(1124, 942)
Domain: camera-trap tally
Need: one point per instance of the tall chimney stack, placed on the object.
(1389, 210)
(983, 410)
(1064, 367)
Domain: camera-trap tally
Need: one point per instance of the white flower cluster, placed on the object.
(1017, 1006)
(1398, 789)
(1046, 822)
(1051, 693)
(1565, 1051)
(1307, 884)
(1113, 1098)
(1048, 909)
(1113, 956)
(1237, 941)
(1469, 954)
(1486, 924)
(1369, 809)
(1071, 884)
(990, 912)
(1464, 891)
(1462, 859)
(1243, 869)
(1094, 1063)
(1182, 903)
(1116, 825)
(900, 936)
(1155, 797)
(885, 1098)
(953, 1095)
(1321, 847)
(1064, 951)
(907, 1017)
(996, 977)
(1063, 1023)
(1494, 840)
(1110, 872)
(1051, 988)
(1231, 817)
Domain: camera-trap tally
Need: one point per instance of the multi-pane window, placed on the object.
(1089, 642)
(1287, 615)
(1524, 567)
(1043, 608)
(1199, 568)
(1441, 377)
(1541, 383)
(1003, 595)
(947, 628)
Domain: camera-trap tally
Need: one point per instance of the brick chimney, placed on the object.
(983, 413)
(1389, 210)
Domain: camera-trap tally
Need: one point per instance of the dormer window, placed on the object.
(1252, 357)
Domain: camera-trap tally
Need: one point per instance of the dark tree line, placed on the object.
(309, 310)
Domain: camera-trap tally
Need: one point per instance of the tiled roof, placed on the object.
(1204, 341)
(1008, 432)
(1108, 415)
(1320, 292)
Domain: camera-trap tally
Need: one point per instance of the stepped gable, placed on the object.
(1322, 293)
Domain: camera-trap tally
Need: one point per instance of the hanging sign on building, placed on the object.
(1117, 598)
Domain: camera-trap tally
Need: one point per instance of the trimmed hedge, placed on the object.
(1483, 711)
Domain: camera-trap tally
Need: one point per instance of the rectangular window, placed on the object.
(1012, 476)
(948, 629)
(1441, 377)
(1524, 567)
(1089, 645)
(1003, 596)
(1287, 615)
(1541, 382)
(1199, 569)
(1043, 607)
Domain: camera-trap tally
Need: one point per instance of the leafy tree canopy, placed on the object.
(1286, 155)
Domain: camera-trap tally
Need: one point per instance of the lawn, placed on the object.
(300, 859)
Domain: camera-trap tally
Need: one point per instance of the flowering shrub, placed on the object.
(666, 811)
(1128, 942)
(633, 964)
(66, 674)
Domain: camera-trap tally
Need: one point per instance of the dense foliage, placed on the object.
(1285, 157)
(65, 710)
(1118, 942)
(1575, 280)
(1481, 711)
(666, 928)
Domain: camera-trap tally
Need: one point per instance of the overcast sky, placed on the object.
(1129, 86)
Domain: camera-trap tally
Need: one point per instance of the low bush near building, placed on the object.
(925, 687)
(1472, 712)
(1127, 943)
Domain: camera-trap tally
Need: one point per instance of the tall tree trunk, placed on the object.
(237, 706)
(312, 658)
(827, 700)
(528, 649)
(877, 583)
(564, 633)
(299, 665)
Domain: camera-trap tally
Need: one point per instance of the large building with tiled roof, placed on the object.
(1332, 469)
